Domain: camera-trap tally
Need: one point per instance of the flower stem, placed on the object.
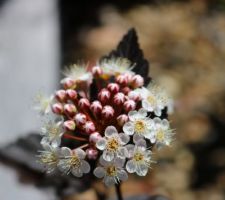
(118, 191)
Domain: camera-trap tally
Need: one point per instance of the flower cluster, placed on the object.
(114, 118)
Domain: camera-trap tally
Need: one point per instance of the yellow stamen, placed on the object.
(111, 171)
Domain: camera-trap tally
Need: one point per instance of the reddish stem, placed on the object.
(74, 137)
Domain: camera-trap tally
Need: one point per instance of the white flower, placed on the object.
(43, 103)
(49, 157)
(116, 66)
(140, 158)
(77, 73)
(111, 172)
(73, 162)
(138, 125)
(162, 134)
(154, 99)
(113, 144)
(52, 132)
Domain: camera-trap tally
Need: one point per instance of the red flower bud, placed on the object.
(69, 125)
(119, 98)
(80, 119)
(129, 105)
(84, 103)
(89, 127)
(133, 95)
(129, 77)
(107, 112)
(137, 81)
(71, 94)
(70, 110)
(96, 107)
(92, 154)
(122, 79)
(125, 90)
(60, 95)
(68, 83)
(94, 137)
(96, 71)
(122, 119)
(57, 108)
(113, 87)
(104, 96)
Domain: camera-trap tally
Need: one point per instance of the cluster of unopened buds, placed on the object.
(114, 118)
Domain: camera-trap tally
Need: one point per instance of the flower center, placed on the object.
(139, 126)
(138, 157)
(111, 171)
(75, 161)
(160, 135)
(49, 158)
(151, 100)
(113, 144)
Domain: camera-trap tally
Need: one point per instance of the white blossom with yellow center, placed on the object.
(72, 161)
(112, 144)
(112, 172)
(43, 103)
(139, 124)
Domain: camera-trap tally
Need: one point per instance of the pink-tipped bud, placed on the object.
(80, 119)
(70, 110)
(71, 94)
(129, 105)
(57, 108)
(92, 154)
(68, 83)
(125, 90)
(84, 103)
(89, 127)
(113, 87)
(133, 95)
(96, 107)
(104, 96)
(129, 77)
(96, 71)
(137, 81)
(122, 79)
(60, 95)
(94, 137)
(119, 98)
(69, 125)
(107, 112)
(122, 119)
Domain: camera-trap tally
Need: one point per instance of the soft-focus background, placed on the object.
(185, 44)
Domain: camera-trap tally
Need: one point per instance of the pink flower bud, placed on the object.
(129, 77)
(119, 98)
(125, 90)
(96, 107)
(69, 125)
(94, 137)
(60, 95)
(129, 105)
(84, 103)
(122, 79)
(71, 94)
(137, 81)
(96, 71)
(122, 119)
(80, 119)
(133, 95)
(104, 96)
(89, 127)
(57, 108)
(70, 110)
(107, 112)
(92, 154)
(113, 87)
(68, 83)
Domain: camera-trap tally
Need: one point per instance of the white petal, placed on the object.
(119, 162)
(109, 181)
(122, 175)
(137, 137)
(142, 170)
(122, 152)
(131, 166)
(63, 167)
(101, 144)
(108, 155)
(46, 146)
(65, 151)
(110, 131)
(142, 113)
(85, 167)
(44, 141)
(99, 172)
(128, 128)
(103, 162)
(165, 124)
(77, 172)
(158, 111)
(141, 143)
(80, 153)
(157, 120)
(124, 138)
(147, 106)
(56, 142)
(149, 123)
(133, 115)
